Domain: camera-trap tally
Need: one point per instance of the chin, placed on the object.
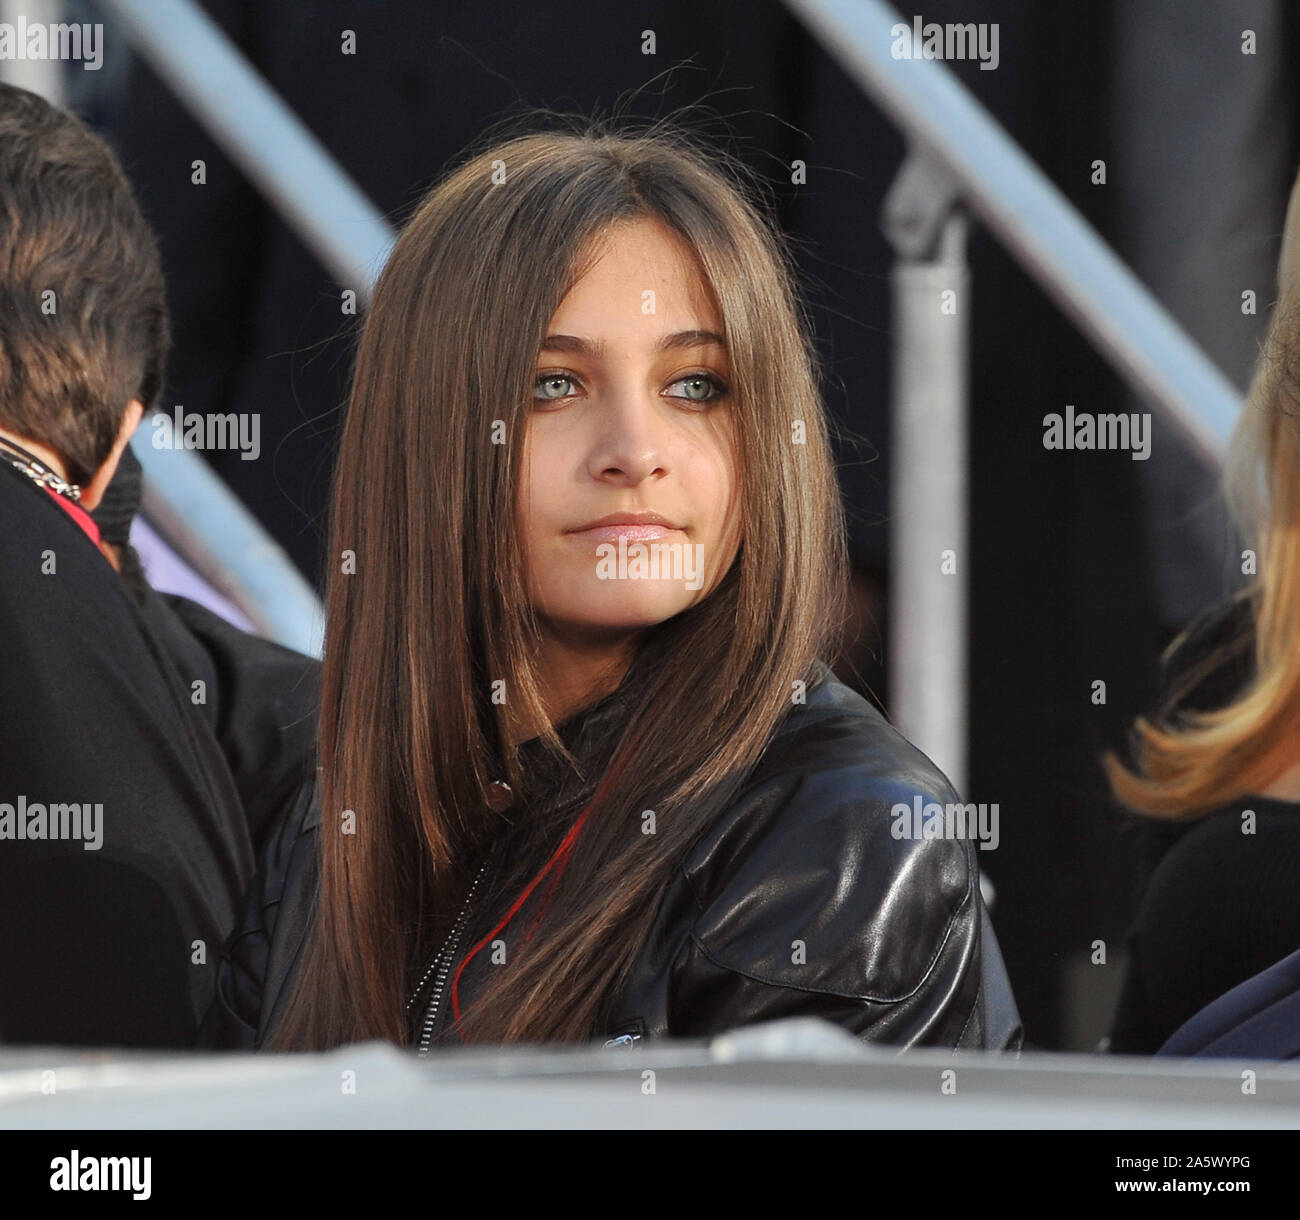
(624, 612)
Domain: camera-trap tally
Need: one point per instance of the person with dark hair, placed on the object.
(125, 847)
(583, 772)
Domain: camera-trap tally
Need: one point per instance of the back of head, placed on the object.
(83, 313)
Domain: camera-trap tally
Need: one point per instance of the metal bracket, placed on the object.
(918, 205)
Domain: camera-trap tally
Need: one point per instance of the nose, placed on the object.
(631, 440)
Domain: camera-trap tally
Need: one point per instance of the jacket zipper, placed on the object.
(621, 1040)
(442, 963)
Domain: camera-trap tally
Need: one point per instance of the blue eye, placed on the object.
(552, 386)
(700, 387)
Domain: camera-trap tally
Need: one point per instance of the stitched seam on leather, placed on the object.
(869, 999)
(970, 1017)
(972, 873)
(973, 888)
(973, 861)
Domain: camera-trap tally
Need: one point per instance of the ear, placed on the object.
(93, 492)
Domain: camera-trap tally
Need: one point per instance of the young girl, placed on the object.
(583, 775)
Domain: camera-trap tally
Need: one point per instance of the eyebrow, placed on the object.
(681, 338)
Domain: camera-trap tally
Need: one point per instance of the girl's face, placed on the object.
(629, 493)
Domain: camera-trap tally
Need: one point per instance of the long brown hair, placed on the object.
(436, 608)
(1192, 762)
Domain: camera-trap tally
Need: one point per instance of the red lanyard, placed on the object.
(78, 514)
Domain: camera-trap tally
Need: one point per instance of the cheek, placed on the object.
(716, 478)
(536, 475)
(545, 482)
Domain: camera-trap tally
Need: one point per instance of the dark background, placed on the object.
(1083, 564)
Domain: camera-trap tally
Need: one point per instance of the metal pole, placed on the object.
(928, 580)
(1033, 220)
(43, 76)
(262, 136)
(195, 511)
(209, 527)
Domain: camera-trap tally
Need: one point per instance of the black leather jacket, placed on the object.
(798, 900)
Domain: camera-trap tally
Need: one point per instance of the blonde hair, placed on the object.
(1200, 760)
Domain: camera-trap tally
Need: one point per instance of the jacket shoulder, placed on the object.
(836, 729)
(806, 897)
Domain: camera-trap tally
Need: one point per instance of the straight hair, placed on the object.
(1191, 762)
(437, 607)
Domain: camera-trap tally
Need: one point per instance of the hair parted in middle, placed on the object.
(437, 608)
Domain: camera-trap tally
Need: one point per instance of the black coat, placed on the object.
(1219, 905)
(117, 944)
(797, 900)
(114, 943)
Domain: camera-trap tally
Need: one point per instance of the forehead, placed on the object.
(643, 277)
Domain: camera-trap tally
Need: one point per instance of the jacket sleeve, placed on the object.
(263, 704)
(821, 911)
(262, 951)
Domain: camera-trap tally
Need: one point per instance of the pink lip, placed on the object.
(630, 531)
(635, 527)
